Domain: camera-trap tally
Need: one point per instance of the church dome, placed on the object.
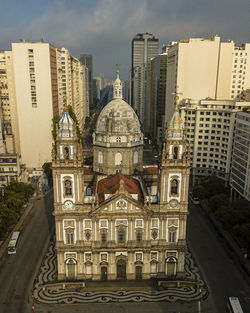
(118, 117)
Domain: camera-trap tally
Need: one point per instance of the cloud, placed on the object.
(105, 28)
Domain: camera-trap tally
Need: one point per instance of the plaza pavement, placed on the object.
(115, 291)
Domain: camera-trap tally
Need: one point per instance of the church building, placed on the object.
(120, 219)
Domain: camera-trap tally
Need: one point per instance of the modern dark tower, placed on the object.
(87, 60)
(144, 47)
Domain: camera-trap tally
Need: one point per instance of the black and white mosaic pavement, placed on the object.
(48, 273)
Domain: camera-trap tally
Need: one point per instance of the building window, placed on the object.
(176, 153)
(68, 187)
(139, 236)
(66, 150)
(172, 236)
(118, 158)
(121, 236)
(100, 157)
(70, 238)
(174, 187)
(88, 235)
(118, 139)
(103, 237)
(135, 157)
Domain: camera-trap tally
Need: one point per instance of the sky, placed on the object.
(105, 28)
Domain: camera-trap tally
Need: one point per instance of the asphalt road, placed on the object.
(18, 271)
(218, 265)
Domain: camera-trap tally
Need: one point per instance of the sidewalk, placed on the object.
(231, 244)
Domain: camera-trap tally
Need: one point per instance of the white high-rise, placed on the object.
(206, 68)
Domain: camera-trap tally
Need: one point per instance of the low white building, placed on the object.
(210, 131)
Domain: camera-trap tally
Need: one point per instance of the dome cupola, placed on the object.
(66, 126)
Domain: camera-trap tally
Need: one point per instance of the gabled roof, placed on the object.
(111, 184)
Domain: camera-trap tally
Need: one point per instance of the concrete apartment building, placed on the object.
(35, 73)
(9, 120)
(203, 68)
(210, 126)
(144, 47)
(240, 169)
(36, 81)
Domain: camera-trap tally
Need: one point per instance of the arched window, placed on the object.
(68, 187)
(174, 187)
(118, 158)
(100, 157)
(66, 150)
(176, 153)
(135, 157)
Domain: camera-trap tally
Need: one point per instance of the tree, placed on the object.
(7, 218)
(200, 192)
(47, 168)
(217, 201)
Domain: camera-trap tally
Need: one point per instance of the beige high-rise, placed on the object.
(36, 81)
(206, 68)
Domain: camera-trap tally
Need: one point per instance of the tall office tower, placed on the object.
(87, 60)
(35, 72)
(210, 131)
(155, 96)
(203, 68)
(240, 169)
(144, 47)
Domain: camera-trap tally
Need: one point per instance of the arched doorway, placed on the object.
(138, 272)
(71, 269)
(171, 267)
(104, 273)
(121, 269)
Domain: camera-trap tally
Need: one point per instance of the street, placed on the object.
(223, 275)
(18, 271)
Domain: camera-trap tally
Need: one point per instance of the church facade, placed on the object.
(120, 219)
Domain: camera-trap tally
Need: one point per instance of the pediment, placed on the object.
(121, 204)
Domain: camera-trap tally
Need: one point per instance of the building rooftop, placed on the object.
(111, 184)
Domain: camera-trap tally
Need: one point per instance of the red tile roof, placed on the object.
(150, 170)
(87, 171)
(111, 184)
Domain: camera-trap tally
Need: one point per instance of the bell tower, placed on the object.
(175, 165)
(174, 183)
(67, 165)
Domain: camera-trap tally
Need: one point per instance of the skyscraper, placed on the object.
(87, 60)
(144, 47)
